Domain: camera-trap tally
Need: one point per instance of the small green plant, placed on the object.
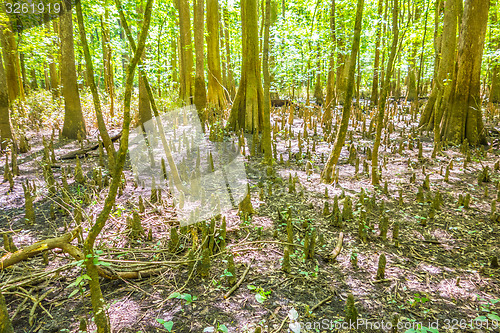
(167, 324)
(261, 294)
(488, 313)
(418, 299)
(79, 285)
(187, 297)
(226, 274)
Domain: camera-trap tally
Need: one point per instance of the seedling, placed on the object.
(261, 294)
(187, 297)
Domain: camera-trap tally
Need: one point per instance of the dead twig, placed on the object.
(322, 302)
(238, 283)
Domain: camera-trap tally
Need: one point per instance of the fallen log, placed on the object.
(84, 151)
(59, 242)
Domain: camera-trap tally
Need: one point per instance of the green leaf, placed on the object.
(223, 328)
(493, 316)
(174, 295)
(260, 298)
(73, 293)
(251, 287)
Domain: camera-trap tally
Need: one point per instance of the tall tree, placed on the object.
(328, 172)
(330, 82)
(200, 93)
(74, 123)
(215, 95)
(144, 105)
(107, 56)
(463, 118)
(266, 128)
(101, 125)
(385, 92)
(495, 63)
(376, 62)
(186, 53)
(247, 112)
(11, 62)
(5, 125)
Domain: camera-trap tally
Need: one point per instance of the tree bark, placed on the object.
(495, 64)
(376, 62)
(101, 125)
(464, 117)
(200, 92)
(186, 53)
(5, 324)
(145, 114)
(11, 63)
(247, 111)
(331, 98)
(328, 173)
(384, 93)
(73, 116)
(215, 94)
(266, 128)
(5, 124)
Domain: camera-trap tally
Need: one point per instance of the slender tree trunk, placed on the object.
(443, 83)
(73, 116)
(328, 173)
(376, 63)
(247, 112)
(144, 105)
(101, 125)
(200, 93)
(97, 299)
(186, 53)
(318, 87)
(266, 126)
(109, 80)
(331, 98)
(495, 64)
(464, 117)
(384, 93)
(230, 87)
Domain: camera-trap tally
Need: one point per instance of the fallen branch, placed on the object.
(85, 150)
(322, 302)
(238, 283)
(59, 242)
(338, 247)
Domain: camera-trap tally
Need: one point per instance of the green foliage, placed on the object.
(187, 297)
(261, 294)
(167, 324)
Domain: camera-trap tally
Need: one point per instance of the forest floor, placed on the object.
(438, 275)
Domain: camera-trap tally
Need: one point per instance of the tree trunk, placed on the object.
(144, 105)
(11, 63)
(328, 173)
(266, 128)
(331, 98)
(443, 83)
(5, 124)
(464, 117)
(318, 87)
(107, 62)
(247, 112)
(230, 86)
(376, 62)
(101, 125)
(186, 53)
(200, 93)
(73, 116)
(384, 93)
(97, 299)
(215, 95)
(495, 71)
